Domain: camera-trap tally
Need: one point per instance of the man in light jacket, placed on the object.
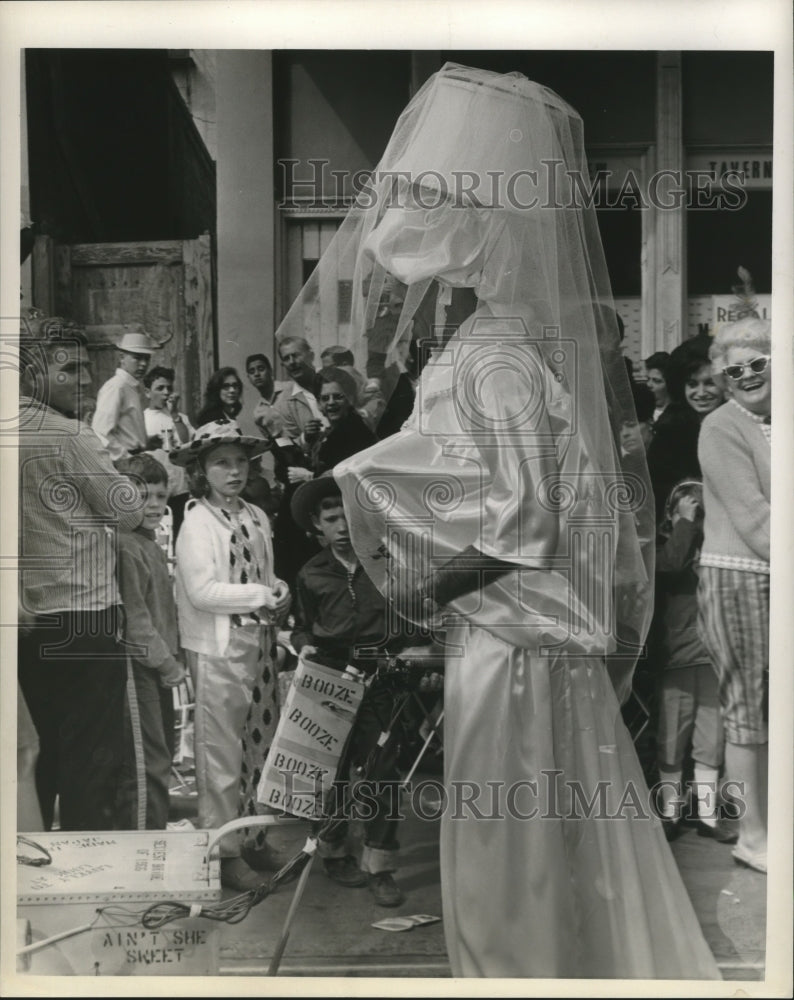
(119, 422)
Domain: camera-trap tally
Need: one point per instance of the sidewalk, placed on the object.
(332, 934)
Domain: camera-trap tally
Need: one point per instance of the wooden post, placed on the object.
(246, 210)
(43, 283)
(62, 285)
(199, 339)
(669, 250)
(424, 63)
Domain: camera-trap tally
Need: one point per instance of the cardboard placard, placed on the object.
(315, 722)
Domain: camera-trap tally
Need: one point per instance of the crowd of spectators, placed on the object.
(238, 510)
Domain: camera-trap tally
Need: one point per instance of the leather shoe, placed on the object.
(385, 889)
(345, 871)
(721, 832)
(236, 874)
(264, 859)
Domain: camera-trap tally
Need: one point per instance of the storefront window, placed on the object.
(718, 241)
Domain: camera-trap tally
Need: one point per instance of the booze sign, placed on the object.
(315, 723)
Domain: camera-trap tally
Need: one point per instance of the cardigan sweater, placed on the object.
(204, 597)
(735, 456)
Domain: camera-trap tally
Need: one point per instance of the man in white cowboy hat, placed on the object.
(119, 420)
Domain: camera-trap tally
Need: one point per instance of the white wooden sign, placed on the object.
(725, 309)
(754, 165)
(81, 914)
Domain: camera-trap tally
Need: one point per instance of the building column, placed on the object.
(246, 209)
(424, 63)
(664, 235)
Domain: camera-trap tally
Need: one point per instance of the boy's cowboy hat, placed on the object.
(308, 495)
(136, 341)
(212, 434)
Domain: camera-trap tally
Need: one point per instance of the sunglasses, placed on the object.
(756, 366)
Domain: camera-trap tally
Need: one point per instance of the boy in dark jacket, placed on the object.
(338, 612)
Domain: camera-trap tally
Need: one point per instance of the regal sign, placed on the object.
(725, 309)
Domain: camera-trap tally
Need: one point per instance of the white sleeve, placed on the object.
(518, 453)
(107, 412)
(203, 581)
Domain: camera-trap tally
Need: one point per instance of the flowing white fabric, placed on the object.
(556, 895)
(513, 452)
(586, 886)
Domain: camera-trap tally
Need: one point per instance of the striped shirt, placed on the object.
(72, 503)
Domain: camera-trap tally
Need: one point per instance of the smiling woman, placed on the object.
(347, 433)
(694, 392)
(734, 579)
(701, 391)
(750, 375)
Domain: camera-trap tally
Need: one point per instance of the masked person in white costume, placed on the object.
(502, 510)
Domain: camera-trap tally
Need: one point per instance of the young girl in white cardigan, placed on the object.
(228, 598)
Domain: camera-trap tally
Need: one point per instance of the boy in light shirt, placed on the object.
(172, 429)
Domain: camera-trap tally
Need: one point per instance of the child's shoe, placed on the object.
(345, 871)
(385, 889)
(718, 831)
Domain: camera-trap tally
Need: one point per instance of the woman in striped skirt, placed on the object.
(734, 451)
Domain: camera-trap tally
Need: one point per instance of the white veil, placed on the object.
(513, 446)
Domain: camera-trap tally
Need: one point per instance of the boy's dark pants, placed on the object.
(147, 734)
(379, 797)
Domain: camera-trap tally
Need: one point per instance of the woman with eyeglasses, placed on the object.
(694, 393)
(733, 595)
(347, 433)
(222, 398)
